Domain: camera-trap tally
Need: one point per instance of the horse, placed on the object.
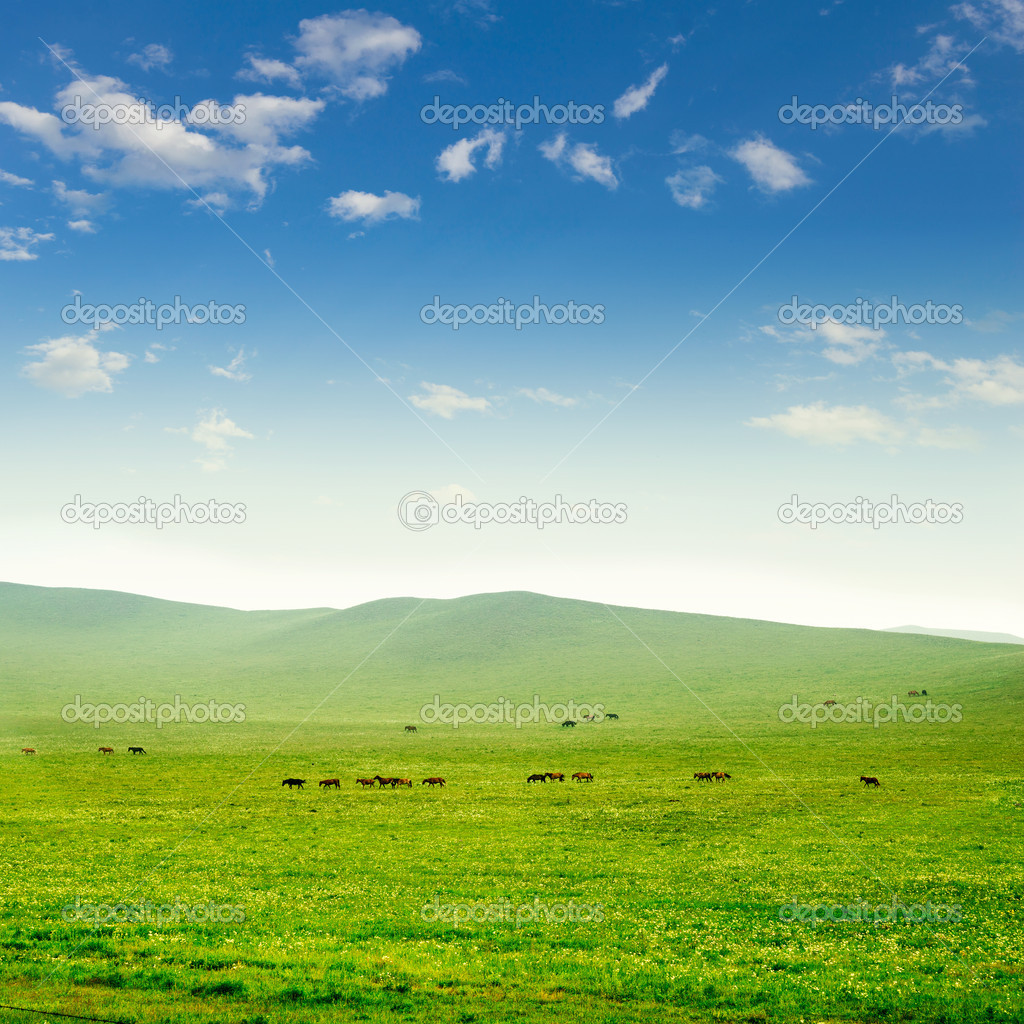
(386, 782)
(924, 693)
(403, 782)
(135, 750)
(28, 750)
(869, 780)
(913, 693)
(293, 782)
(555, 775)
(612, 716)
(583, 777)
(569, 724)
(410, 728)
(106, 750)
(722, 776)
(829, 703)
(537, 778)
(432, 782)
(328, 783)
(702, 776)
(365, 782)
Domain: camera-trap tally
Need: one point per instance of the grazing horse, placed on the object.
(611, 716)
(106, 750)
(924, 693)
(582, 777)
(403, 782)
(913, 693)
(829, 703)
(135, 750)
(410, 728)
(435, 781)
(869, 780)
(555, 775)
(328, 783)
(293, 782)
(386, 782)
(702, 776)
(569, 724)
(365, 782)
(28, 750)
(537, 778)
(722, 776)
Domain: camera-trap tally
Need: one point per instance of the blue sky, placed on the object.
(686, 210)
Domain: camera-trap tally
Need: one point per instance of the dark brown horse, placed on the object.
(829, 703)
(583, 777)
(722, 776)
(386, 782)
(106, 750)
(135, 750)
(410, 728)
(569, 724)
(612, 716)
(329, 783)
(537, 778)
(559, 776)
(869, 780)
(702, 776)
(365, 782)
(28, 750)
(293, 782)
(432, 782)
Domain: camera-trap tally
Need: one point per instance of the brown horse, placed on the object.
(722, 776)
(869, 780)
(28, 750)
(386, 782)
(582, 777)
(913, 693)
(106, 750)
(329, 783)
(829, 703)
(365, 782)
(404, 782)
(293, 782)
(410, 728)
(537, 778)
(432, 782)
(555, 775)
(702, 776)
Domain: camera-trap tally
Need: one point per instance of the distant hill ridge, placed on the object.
(959, 634)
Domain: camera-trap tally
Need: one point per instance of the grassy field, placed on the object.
(642, 896)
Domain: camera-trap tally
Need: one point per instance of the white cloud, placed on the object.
(153, 56)
(636, 97)
(370, 208)
(18, 243)
(215, 432)
(683, 143)
(446, 495)
(542, 395)
(1001, 20)
(445, 75)
(79, 202)
(692, 187)
(74, 366)
(849, 344)
(354, 50)
(7, 178)
(261, 69)
(838, 424)
(86, 227)
(583, 158)
(235, 370)
(445, 401)
(941, 57)
(773, 169)
(998, 381)
(456, 162)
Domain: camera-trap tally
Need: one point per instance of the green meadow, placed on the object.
(643, 896)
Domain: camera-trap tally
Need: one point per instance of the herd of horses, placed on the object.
(711, 776)
(394, 783)
(560, 777)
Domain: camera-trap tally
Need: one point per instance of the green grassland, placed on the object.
(689, 877)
